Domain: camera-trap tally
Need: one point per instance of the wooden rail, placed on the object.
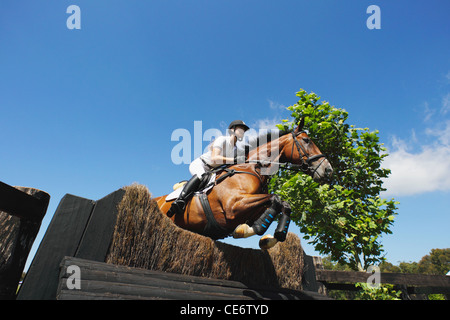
(100, 280)
(414, 283)
(20, 204)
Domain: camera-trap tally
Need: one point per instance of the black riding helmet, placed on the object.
(238, 123)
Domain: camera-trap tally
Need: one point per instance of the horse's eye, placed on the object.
(306, 140)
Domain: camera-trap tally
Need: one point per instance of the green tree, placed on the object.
(437, 262)
(345, 217)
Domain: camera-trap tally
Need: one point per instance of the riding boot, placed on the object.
(189, 188)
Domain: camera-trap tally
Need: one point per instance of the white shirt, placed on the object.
(225, 145)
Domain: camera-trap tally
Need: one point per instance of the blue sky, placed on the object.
(89, 111)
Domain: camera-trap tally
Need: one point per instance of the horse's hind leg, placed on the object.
(283, 222)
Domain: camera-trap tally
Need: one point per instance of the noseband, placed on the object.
(306, 163)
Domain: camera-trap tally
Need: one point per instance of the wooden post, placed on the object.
(309, 282)
(21, 212)
(79, 228)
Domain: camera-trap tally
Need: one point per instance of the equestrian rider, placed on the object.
(221, 151)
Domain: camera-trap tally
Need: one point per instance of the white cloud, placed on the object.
(266, 123)
(419, 172)
(429, 112)
(275, 105)
(445, 104)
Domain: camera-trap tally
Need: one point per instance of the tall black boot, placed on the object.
(189, 188)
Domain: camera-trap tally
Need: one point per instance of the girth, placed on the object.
(212, 228)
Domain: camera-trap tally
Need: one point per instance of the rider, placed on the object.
(221, 151)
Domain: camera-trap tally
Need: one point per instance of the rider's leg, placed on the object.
(197, 169)
(189, 188)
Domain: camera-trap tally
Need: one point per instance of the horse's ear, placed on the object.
(300, 126)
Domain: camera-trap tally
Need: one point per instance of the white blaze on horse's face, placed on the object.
(321, 169)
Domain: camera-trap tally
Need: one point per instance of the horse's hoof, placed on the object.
(243, 231)
(267, 242)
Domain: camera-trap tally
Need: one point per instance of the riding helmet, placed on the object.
(238, 123)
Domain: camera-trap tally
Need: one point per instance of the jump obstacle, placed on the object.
(125, 248)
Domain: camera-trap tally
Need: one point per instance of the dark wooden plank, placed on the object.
(341, 276)
(191, 287)
(97, 237)
(95, 265)
(23, 205)
(100, 278)
(416, 279)
(330, 276)
(154, 291)
(82, 295)
(16, 239)
(428, 290)
(61, 239)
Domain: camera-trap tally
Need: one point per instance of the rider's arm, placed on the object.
(218, 158)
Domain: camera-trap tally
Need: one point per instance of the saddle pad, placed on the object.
(174, 194)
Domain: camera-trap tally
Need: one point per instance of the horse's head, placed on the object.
(301, 150)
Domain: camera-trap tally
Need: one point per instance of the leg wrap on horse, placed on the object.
(283, 223)
(282, 227)
(263, 222)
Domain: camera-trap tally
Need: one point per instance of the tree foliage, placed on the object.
(346, 216)
(436, 262)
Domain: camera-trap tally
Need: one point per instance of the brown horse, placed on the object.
(239, 202)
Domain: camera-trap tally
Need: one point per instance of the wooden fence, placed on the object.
(412, 286)
(21, 212)
(80, 234)
(79, 228)
(100, 281)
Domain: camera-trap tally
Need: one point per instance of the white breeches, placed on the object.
(198, 167)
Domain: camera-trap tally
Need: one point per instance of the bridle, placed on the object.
(305, 166)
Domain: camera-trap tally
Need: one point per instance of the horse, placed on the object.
(239, 203)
